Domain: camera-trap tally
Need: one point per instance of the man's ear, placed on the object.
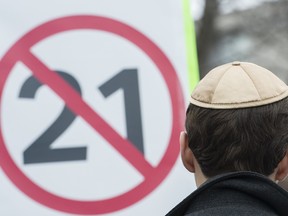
(282, 169)
(187, 155)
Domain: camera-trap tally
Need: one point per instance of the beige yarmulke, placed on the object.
(238, 85)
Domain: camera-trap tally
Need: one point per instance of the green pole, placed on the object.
(191, 48)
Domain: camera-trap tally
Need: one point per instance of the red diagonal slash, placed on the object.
(76, 104)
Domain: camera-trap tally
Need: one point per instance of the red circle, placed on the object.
(168, 73)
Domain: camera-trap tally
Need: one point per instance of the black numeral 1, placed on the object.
(127, 80)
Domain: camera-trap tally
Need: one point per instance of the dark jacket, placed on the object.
(238, 193)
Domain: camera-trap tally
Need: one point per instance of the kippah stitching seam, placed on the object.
(252, 81)
(219, 82)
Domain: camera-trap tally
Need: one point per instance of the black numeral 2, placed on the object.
(40, 150)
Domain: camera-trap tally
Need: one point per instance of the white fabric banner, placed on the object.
(93, 97)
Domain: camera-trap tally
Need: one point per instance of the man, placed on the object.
(236, 143)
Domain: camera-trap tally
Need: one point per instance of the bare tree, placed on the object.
(206, 34)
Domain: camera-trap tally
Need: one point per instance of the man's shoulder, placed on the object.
(231, 211)
(234, 193)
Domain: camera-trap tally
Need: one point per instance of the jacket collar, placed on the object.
(249, 182)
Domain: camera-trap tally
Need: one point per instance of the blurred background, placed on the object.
(244, 30)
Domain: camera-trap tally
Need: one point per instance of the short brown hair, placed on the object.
(246, 139)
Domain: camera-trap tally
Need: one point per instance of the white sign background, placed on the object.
(92, 62)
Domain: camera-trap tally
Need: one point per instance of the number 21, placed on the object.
(40, 150)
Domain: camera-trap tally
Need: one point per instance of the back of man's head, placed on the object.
(238, 120)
